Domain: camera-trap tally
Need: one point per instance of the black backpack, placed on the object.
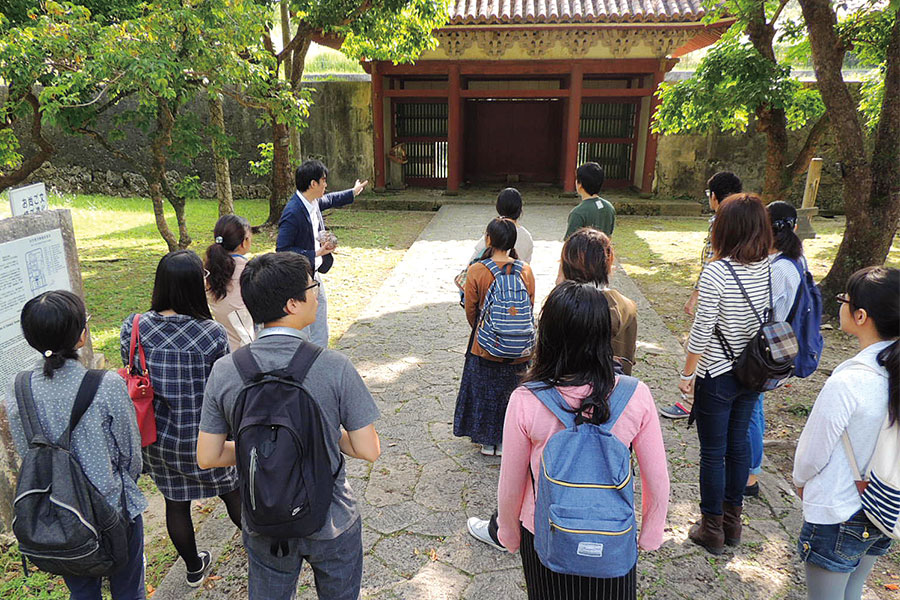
(767, 360)
(64, 525)
(286, 480)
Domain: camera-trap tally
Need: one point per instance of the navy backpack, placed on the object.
(584, 522)
(806, 320)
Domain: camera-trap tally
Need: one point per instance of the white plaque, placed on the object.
(28, 267)
(29, 199)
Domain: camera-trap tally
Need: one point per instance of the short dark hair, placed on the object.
(724, 184)
(54, 321)
(509, 203)
(741, 230)
(309, 171)
(270, 280)
(179, 285)
(590, 176)
(587, 256)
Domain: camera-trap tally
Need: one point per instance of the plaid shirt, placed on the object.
(707, 255)
(180, 353)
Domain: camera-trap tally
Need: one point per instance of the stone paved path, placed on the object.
(409, 346)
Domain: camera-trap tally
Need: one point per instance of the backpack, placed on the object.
(584, 522)
(880, 489)
(63, 524)
(767, 360)
(806, 320)
(506, 326)
(282, 458)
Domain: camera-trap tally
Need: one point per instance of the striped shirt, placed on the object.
(785, 283)
(722, 303)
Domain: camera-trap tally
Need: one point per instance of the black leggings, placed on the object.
(181, 527)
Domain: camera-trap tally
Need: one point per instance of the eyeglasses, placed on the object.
(843, 298)
(708, 194)
(87, 318)
(315, 284)
(205, 274)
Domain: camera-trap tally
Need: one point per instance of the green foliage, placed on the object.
(263, 166)
(330, 61)
(731, 83)
(188, 187)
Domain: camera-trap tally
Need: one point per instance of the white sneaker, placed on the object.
(498, 450)
(488, 450)
(479, 530)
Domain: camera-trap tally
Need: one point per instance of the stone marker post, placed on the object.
(808, 209)
(37, 254)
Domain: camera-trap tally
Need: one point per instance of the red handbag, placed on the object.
(139, 388)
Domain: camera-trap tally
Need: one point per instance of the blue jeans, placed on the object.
(755, 434)
(336, 564)
(839, 547)
(723, 408)
(127, 584)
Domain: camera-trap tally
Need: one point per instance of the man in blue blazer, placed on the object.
(301, 227)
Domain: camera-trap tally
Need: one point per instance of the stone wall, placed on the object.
(685, 162)
(339, 132)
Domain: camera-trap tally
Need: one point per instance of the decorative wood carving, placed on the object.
(620, 41)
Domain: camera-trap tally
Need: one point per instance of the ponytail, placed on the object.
(783, 217)
(52, 324)
(889, 358)
(230, 232)
(502, 232)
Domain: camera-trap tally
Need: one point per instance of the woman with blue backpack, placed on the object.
(792, 292)
(499, 299)
(853, 429)
(575, 421)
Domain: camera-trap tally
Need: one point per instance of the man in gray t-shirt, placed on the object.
(278, 292)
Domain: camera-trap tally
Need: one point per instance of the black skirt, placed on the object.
(544, 584)
(483, 395)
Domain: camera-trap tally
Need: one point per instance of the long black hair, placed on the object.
(574, 345)
(52, 324)
(503, 234)
(783, 217)
(877, 291)
(179, 285)
(229, 233)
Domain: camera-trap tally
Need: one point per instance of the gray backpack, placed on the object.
(63, 524)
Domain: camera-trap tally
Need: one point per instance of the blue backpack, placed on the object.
(806, 319)
(584, 522)
(506, 326)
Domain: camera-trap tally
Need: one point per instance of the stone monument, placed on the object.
(37, 254)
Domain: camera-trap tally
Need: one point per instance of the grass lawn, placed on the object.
(119, 248)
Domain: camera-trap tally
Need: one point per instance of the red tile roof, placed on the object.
(471, 12)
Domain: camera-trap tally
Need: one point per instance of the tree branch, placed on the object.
(101, 139)
(45, 148)
(778, 12)
(808, 151)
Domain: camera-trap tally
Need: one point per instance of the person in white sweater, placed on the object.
(509, 206)
(837, 542)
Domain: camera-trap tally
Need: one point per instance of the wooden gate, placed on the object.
(421, 127)
(608, 136)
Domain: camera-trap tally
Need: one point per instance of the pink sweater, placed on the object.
(529, 424)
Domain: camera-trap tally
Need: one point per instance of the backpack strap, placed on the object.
(492, 267)
(747, 296)
(246, 365)
(302, 360)
(34, 433)
(554, 401)
(801, 270)
(619, 398)
(90, 383)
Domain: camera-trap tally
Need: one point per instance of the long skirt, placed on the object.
(544, 584)
(483, 395)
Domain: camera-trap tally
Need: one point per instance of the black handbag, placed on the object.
(767, 360)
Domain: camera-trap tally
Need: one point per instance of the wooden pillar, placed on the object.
(573, 125)
(652, 138)
(454, 129)
(378, 126)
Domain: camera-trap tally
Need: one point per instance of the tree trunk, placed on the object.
(220, 156)
(282, 182)
(156, 179)
(288, 70)
(871, 203)
(44, 152)
(773, 123)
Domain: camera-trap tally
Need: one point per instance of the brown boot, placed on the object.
(707, 532)
(731, 523)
